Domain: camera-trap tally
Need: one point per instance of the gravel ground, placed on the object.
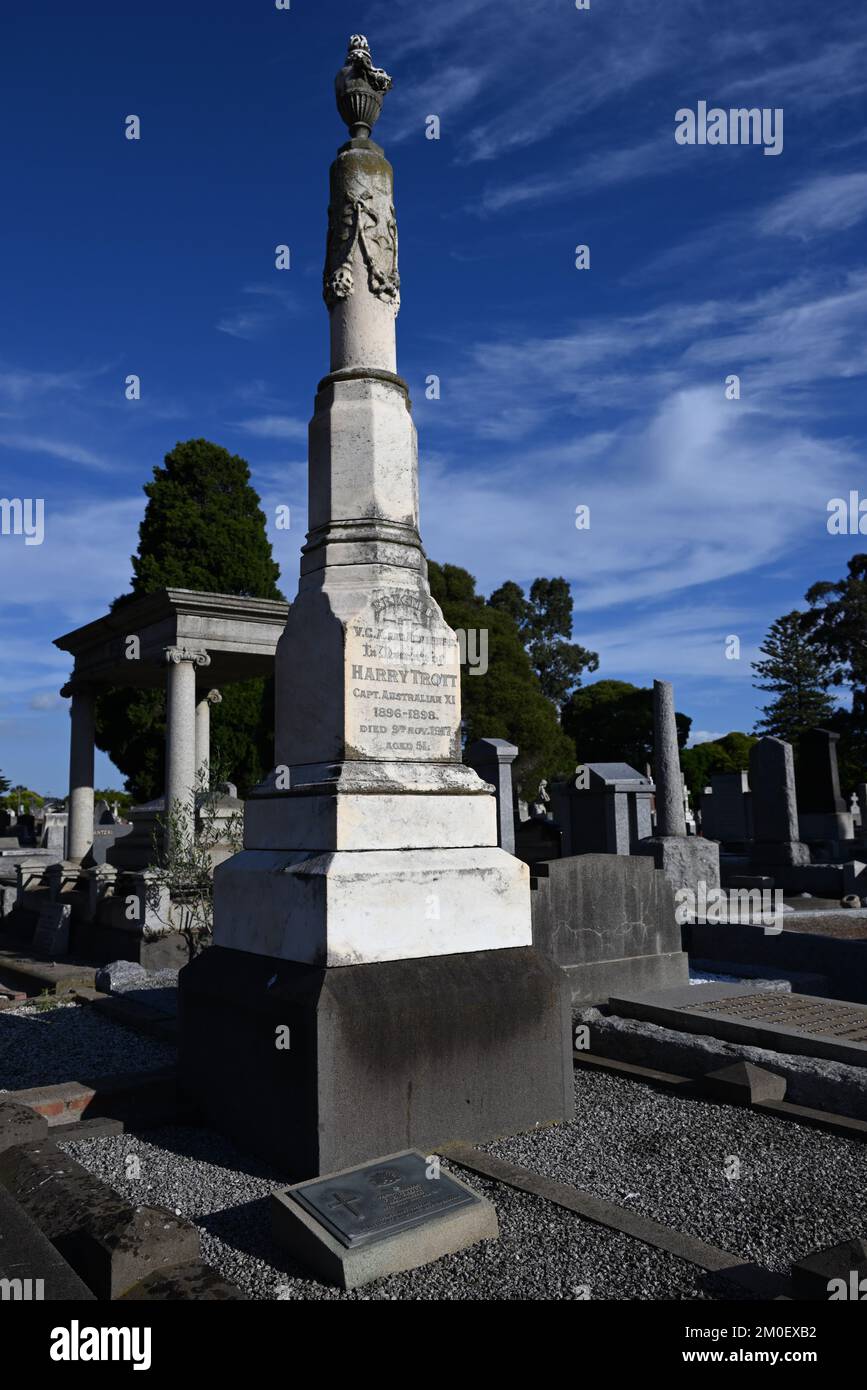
(543, 1252)
(665, 1156)
(42, 1046)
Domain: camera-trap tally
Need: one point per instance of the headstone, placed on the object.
(732, 807)
(26, 830)
(775, 812)
(51, 937)
(603, 809)
(492, 759)
(396, 1213)
(372, 912)
(706, 821)
(54, 832)
(823, 817)
(609, 922)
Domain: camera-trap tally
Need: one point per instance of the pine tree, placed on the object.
(793, 670)
(203, 529)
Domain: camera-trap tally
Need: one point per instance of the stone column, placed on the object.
(670, 819)
(181, 730)
(80, 825)
(203, 735)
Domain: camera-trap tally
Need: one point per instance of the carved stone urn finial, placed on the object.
(360, 88)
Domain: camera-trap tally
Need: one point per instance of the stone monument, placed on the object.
(604, 809)
(686, 861)
(823, 815)
(775, 811)
(372, 985)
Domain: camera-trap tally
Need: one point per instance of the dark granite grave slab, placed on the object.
(378, 1199)
(748, 1014)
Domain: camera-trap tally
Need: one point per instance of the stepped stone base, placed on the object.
(380, 1057)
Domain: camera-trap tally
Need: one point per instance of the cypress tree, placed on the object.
(203, 529)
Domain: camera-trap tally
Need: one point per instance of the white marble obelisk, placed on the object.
(371, 918)
(371, 841)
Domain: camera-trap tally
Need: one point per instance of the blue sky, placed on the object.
(560, 387)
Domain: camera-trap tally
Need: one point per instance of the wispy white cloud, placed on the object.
(81, 566)
(604, 169)
(829, 203)
(20, 385)
(57, 448)
(274, 427)
(252, 321)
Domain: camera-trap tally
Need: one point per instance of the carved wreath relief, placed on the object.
(365, 219)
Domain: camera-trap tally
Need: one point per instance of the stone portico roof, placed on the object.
(239, 634)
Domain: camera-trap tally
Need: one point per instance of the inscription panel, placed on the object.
(402, 673)
(815, 1017)
(378, 1199)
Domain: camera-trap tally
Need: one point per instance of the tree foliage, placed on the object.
(507, 701)
(612, 721)
(701, 762)
(203, 529)
(543, 621)
(794, 671)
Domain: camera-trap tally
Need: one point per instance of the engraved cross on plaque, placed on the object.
(348, 1201)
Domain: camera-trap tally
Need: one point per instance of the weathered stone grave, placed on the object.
(373, 982)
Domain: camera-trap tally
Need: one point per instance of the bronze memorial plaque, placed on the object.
(378, 1199)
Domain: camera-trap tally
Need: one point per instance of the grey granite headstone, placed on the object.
(604, 809)
(492, 759)
(818, 776)
(775, 811)
(732, 809)
(51, 937)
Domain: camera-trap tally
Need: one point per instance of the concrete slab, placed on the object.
(747, 1014)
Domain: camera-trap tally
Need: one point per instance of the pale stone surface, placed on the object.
(181, 728)
(203, 735)
(80, 830)
(404, 862)
(362, 285)
(670, 818)
(353, 908)
(686, 861)
(351, 822)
